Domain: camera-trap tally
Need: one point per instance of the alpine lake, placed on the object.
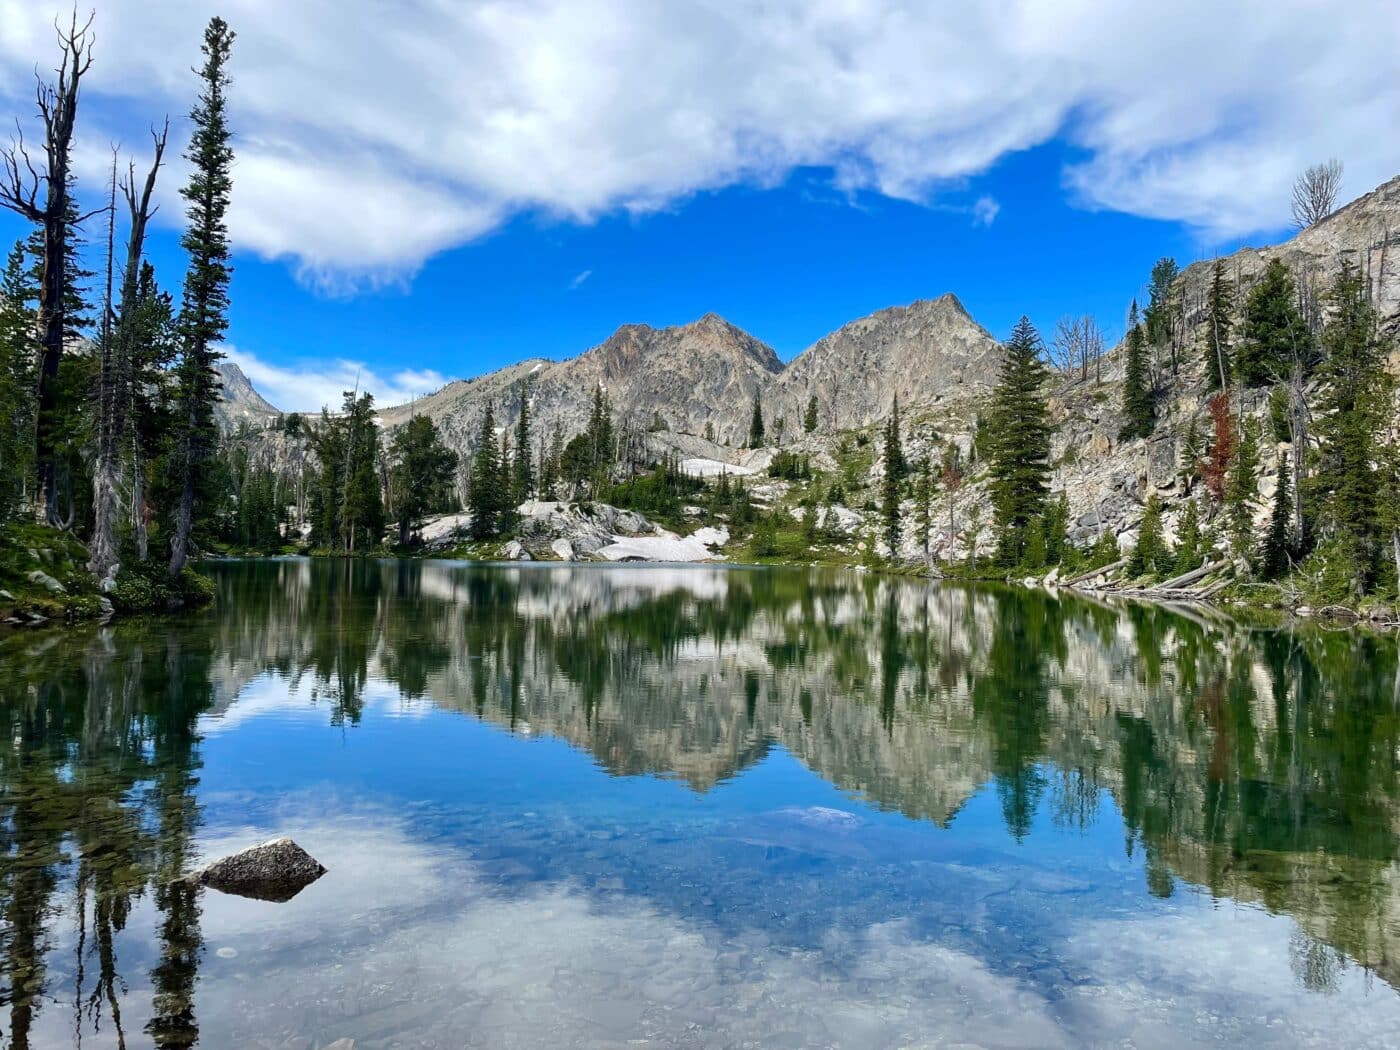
(697, 806)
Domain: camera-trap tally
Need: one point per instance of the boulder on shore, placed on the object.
(276, 870)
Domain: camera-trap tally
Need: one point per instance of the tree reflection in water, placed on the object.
(1258, 764)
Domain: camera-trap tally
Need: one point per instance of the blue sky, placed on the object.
(569, 167)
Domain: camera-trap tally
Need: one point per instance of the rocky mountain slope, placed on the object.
(239, 402)
(1365, 233)
(707, 372)
(926, 354)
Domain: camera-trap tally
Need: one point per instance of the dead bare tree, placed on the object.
(1315, 193)
(115, 381)
(40, 194)
(140, 211)
(1076, 345)
(102, 549)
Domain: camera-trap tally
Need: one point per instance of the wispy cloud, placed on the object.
(985, 211)
(355, 169)
(313, 384)
(579, 279)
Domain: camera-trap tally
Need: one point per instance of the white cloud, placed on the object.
(985, 211)
(310, 385)
(579, 279)
(368, 142)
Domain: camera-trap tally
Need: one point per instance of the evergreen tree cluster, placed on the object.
(107, 407)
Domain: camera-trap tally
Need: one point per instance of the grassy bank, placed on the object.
(44, 578)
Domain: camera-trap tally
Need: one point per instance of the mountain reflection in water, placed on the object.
(1258, 766)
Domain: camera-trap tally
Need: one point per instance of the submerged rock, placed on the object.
(276, 870)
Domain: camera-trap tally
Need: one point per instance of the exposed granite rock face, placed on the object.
(925, 354)
(276, 870)
(702, 373)
(239, 402)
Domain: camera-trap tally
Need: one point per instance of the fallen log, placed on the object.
(1194, 575)
(1217, 586)
(1100, 571)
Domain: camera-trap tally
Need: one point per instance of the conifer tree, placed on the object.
(925, 490)
(756, 433)
(505, 484)
(1274, 555)
(1020, 442)
(1214, 468)
(1188, 537)
(204, 305)
(890, 490)
(361, 501)
(484, 492)
(1242, 486)
(950, 475)
(894, 445)
(1220, 304)
(1192, 449)
(1151, 553)
(147, 328)
(18, 353)
(809, 417)
(1274, 333)
(423, 474)
(1057, 529)
(1160, 300)
(599, 440)
(524, 471)
(1137, 383)
(1355, 405)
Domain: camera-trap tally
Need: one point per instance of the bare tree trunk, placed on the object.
(138, 503)
(106, 494)
(1395, 550)
(184, 510)
(114, 379)
(140, 211)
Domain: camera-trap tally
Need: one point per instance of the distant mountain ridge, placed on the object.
(703, 377)
(686, 380)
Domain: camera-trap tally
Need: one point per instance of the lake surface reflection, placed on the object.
(590, 806)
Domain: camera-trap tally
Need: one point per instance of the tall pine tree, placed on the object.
(1355, 405)
(756, 430)
(1137, 383)
(204, 304)
(484, 492)
(1220, 305)
(1277, 547)
(891, 522)
(18, 354)
(1274, 335)
(1020, 443)
(523, 470)
(423, 475)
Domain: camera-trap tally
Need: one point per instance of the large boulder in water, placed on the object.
(272, 871)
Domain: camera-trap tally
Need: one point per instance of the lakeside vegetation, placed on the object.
(108, 385)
